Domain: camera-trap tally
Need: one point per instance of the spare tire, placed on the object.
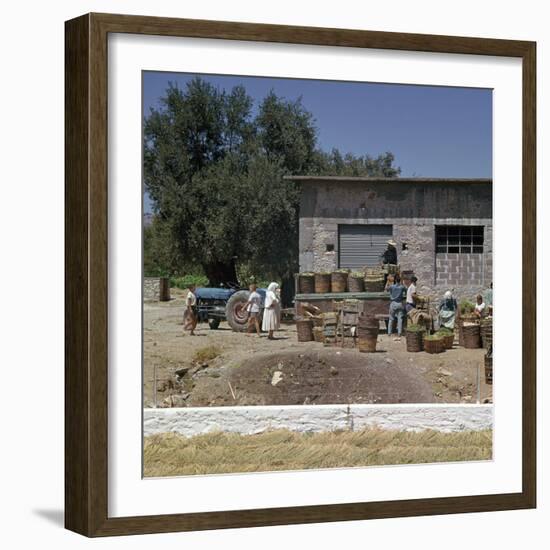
(237, 317)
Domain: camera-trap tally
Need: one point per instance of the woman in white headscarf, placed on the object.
(447, 310)
(270, 321)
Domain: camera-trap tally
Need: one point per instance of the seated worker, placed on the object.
(479, 310)
(447, 311)
(410, 302)
(397, 311)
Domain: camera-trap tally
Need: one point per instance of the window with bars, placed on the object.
(459, 239)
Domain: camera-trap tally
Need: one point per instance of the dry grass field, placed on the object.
(172, 454)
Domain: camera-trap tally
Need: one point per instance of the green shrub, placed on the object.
(466, 306)
(189, 279)
(444, 331)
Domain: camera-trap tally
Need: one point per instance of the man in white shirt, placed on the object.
(410, 302)
(480, 306)
(253, 309)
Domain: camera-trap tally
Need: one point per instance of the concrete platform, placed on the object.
(373, 302)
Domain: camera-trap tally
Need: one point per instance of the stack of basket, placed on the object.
(489, 365)
(415, 338)
(486, 330)
(374, 280)
(356, 282)
(322, 283)
(471, 335)
(339, 281)
(367, 333)
(304, 328)
(306, 283)
(466, 318)
(318, 334)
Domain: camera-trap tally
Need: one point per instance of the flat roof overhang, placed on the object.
(360, 179)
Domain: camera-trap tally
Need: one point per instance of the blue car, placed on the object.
(225, 304)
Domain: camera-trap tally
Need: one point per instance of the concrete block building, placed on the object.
(443, 228)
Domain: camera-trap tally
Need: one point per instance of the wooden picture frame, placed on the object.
(86, 283)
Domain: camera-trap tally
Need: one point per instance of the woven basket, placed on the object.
(367, 321)
(356, 284)
(367, 339)
(434, 346)
(304, 328)
(448, 340)
(339, 281)
(415, 340)
(306, 283)
(367, 333)
(489, 366)
(374, 283)
(318, 334)
(322, 283)
(486, 330)
(464, 318)
(317, 321)
(391, 269)
(471, 335)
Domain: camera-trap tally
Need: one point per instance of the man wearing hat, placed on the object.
(390, 254)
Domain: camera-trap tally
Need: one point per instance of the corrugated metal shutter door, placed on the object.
(361, 245)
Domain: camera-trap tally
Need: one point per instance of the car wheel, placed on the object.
(214, 323)
(236, 315)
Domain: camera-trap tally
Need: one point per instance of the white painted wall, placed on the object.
(317, 418)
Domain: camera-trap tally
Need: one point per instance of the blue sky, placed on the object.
(433, 131)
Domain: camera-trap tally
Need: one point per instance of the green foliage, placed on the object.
(336, 164)
(466, 306)
(214, 173)
(287, 133)
(247, 276)
(444, 331)
(158, 251)
(186, 280)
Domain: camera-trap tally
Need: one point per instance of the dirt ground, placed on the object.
(222, 367)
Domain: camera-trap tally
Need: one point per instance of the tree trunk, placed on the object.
(220, 273)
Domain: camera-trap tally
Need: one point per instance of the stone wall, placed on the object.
(318, 418)
(413, 209)
(156, 289)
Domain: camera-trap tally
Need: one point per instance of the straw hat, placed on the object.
(391, 242)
